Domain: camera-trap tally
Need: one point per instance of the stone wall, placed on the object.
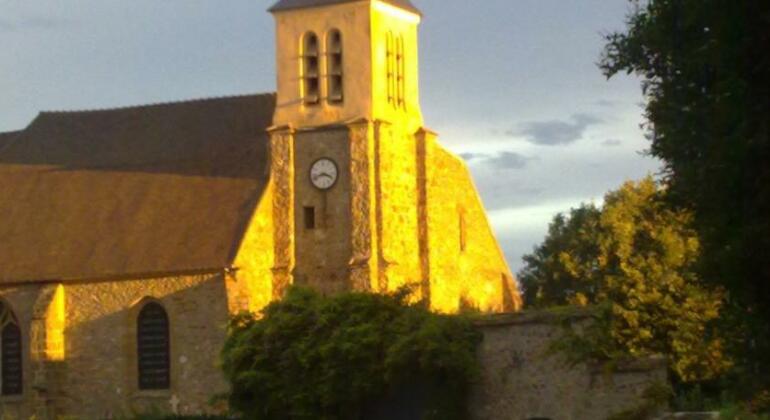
(396, 186)
(466, 265)
(522, 379)
(322, 254)
(95, 375)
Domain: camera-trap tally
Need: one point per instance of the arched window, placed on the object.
(400, 73)
(10, 352)
(310, 76)
(153, 345)
(334, 68)
(390, 60)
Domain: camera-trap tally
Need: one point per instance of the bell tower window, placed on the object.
(390, 60)
(310, 77)
(400, 70)
(396, 70)
(334, 68)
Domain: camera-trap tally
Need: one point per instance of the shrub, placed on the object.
(315, 357)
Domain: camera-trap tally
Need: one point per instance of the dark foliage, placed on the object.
(315, 357)
(706, 74)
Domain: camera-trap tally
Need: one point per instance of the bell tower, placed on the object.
(344, 145)
(344, 60)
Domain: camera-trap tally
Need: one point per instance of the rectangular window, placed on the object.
(309, 217)
(462, 228)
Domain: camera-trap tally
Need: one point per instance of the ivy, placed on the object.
(314, 357)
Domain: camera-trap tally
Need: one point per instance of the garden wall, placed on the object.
(522, 380)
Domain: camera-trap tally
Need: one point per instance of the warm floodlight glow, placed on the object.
(396, 12)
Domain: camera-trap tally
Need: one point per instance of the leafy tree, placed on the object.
(636, 256)
(315, 357)
(705, 68)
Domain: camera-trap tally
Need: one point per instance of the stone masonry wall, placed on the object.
(397, 215)
(522, 380)
(95, 374)
(22, 301)
(466, 265)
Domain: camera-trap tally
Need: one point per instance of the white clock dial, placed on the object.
(323, 173)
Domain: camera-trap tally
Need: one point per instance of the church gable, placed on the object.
(133, 191)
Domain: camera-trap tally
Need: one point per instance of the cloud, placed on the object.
(500, 160)
(612, 143)
(606, 103)
(509, 160)
(473, 156)
(556, 132)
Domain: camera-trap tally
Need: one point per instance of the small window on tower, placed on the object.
(334, 66)
(390, 62)
(400, 73)
(310, 76)
(309, 218)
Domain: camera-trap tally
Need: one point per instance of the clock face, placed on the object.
(323, 173)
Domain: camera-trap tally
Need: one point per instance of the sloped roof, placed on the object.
(7, 138)
(300, 4)
(151, 189)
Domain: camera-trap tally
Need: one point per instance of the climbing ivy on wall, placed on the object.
(314, 357)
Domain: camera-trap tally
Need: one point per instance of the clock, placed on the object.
(323, 173)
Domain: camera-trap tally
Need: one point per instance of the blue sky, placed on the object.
(511, 85)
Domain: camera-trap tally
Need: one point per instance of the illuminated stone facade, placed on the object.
(216, 213)
(404, 210)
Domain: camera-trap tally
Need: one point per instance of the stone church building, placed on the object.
(129, 236)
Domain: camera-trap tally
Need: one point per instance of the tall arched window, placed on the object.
(334, 68)
(400, 73)
(390, 60)
(10, 352)
(153, 347)
(310, 76)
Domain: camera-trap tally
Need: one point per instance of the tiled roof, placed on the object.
(150, 189)
(299, 4)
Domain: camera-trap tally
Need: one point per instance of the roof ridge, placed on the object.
(154, 104)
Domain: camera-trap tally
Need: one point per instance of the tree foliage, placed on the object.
(315, 357)
(705, 68)
(637, 257)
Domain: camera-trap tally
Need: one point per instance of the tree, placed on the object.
(638, 257)
(705, 69)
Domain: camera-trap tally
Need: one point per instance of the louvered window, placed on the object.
(10, 353)
(153, 348)
(310, 74)
(334, 67)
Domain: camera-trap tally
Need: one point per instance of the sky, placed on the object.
(510, 85)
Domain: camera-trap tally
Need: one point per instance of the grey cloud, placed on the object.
(509, 160)
(612, 143)
(555, 132)
(606, 103)
(501, 160)
(473, 156)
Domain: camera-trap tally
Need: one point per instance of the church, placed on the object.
(129, 236)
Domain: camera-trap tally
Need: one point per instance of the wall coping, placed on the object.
(535, 317)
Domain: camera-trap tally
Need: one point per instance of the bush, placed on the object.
(315, 357)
